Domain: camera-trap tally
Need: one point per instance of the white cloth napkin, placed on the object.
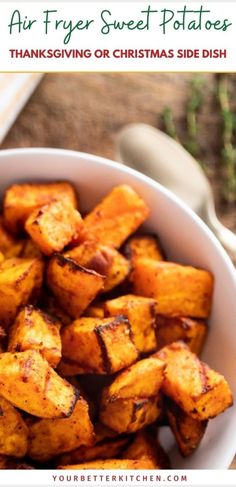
(15, 90)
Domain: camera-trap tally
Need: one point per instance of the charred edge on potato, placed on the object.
(99, 334)
(127, 252)
(30, 309)
(74, 267)
(76, 398)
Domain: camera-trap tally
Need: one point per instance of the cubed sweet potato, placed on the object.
(144, 446)
(132, 400)
(13, 431)
(118, 215)
(141, 313)
(180, 290)
(140, 246)
(117, 271)
(20, 280)
(108, 448)
(188, 431)
(129, 415)
(112, 465)
(196, 388)
(170, 329)
(101, 346)
(21, 199)
(102, 259)
(53, 226)
(30, 384)
(74, 286)
(142, 379)
(1, 257)
(51, 437)
(35, 330)
(9, 246)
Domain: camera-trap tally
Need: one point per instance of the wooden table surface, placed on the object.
(85, 111)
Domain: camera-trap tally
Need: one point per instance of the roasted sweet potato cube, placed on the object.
(140, 246)
(30, 384)
(188, 431)
(102, 259)
(141, 313)
(20, 280)
(13, 431)
(173, 328)
(118, 270)
(131, 401)
(118, 215)
(108, 448)
(112, 465)
(179, 290)
(53, 226)
(35, 330)
(196, 388)
(21, 199)
(74, 286)
(116, 340)
(145, 445)
(101, 346)
(1, 257)
(9, 246)
(51, 437)
(129, 415)
(141, 380)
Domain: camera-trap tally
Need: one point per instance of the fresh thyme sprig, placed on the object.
(193, 106)
(169, 123)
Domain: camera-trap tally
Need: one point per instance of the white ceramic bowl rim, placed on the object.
(126, 170)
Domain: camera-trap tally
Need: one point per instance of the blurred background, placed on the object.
(86, 111)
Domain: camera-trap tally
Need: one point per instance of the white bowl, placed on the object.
(184, 237)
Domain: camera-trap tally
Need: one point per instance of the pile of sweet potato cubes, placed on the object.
(99, 336)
